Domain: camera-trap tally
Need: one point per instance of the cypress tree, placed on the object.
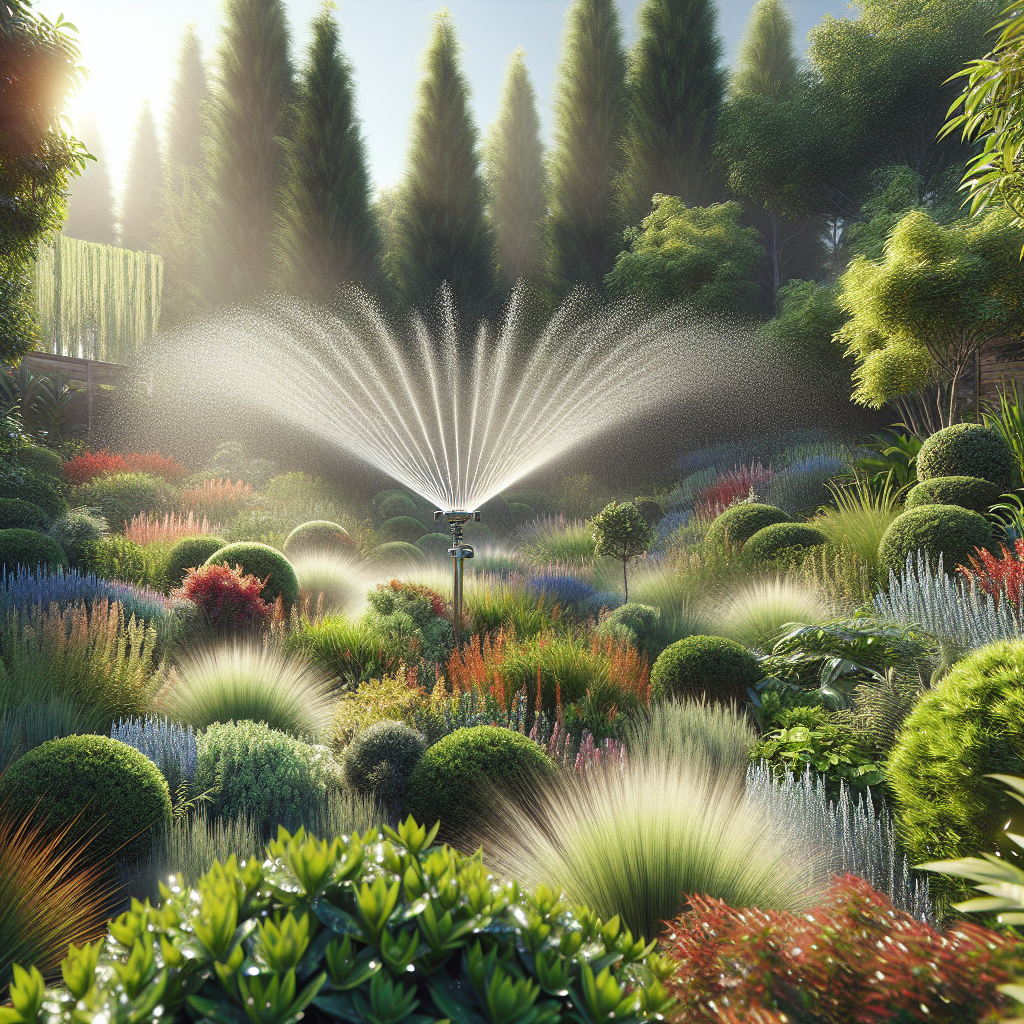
(249, 115)
(514, 167)
(675, 86)
(91, 198)
(185, 128)
(766, 65)
(327, 232)
(584, 228)
(140, 206)
(442, 234)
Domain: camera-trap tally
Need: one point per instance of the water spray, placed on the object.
(459, 552)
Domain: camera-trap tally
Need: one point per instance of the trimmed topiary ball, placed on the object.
(117, 792)
(641, 624)
(396, 504)
(967, 449)
(435, 545)
(970, 492)
(947, 530)
(16, 514)
(401, 528)
(705, 666)
(190, 553)
(737, 524)
(772, 541)
(495, 512)
(76, 531)
(30, 548)
(521, 513)
(265, 562)
(651, 510)
(379, 761)
(39, 489)
(43, 461)
(451, 782)
(320, 536)
(396, 555)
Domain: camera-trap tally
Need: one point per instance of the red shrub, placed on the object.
(216, 498)
(730, 487)
(89, 465)
(226, 598)
(999, 577)
(855, 959)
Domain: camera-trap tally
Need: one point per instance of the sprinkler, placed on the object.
(459, 552)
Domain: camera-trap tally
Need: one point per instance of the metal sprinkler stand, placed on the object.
(459, 552)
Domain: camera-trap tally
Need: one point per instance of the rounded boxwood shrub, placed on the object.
(265, 562)
(16, 514)
(320, 535)
(450, 783)
(401, 528)
(970, 492)
(737, 524)
(117, 791)
(30, 548)
(379, 761)
(77, 531)
(395, 504)
(495, 512)
(38, 489)
(521, 512)
(43, 461)
(640, 624)
(190, 553)
(947, 530)
(650, 509)
(771, 541)
(123, 496)
(435, 545)
(710, 666)
(967, 449)
(396, 554)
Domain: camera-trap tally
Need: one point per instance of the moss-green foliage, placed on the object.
(700, 666)
(641, 625)
(497, 516)
(771, 541)
(117, 791)
(396, 554)
(190, 553)
(319, 535)
(16, 514)
(40, 490)
(401, 528)
(970, 492)
(947, 530)
(265, 775)
(650, 509)
(29, 548)
(967, 449)
(118, 558)
(76, 530)
(435, 545)
(122, 496)
(392, 504)
(414, 619)
(379, 761)
(42, 461)
(267, 564)
(970, 725)
(521, 513)
(450, 782)
(737, 524)
(348, 651)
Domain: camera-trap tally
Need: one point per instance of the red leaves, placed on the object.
(226, 598)
(89, 465)
(731, 486)
(998, 577)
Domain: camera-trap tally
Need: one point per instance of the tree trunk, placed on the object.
(625, 582)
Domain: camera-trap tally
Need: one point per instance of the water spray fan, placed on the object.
(460, 552)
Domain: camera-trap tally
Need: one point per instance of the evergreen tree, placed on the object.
(675, 87)
(91, 199)
(766, 65)
(442, 232)
(327, 232)
(185, 127)
(140, 207)
(584, 228)
(249, 115)
(514, 166)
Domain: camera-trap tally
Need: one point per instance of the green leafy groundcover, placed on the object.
(381, 930)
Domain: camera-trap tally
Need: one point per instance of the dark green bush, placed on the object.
(967, 449)
(319, 535)
(771, 541)
(738, 523)
(705, 666)
(190, 553)
(43, 461)
(452, 780)
(650, 509)
(30, 548)
(396, 555)
(946, 530)
(123, 496)
(117, 792)
(521, 513)
(379, 761)
(401, 528)
(16, 514)
(266, 563)
(495, 512)
(395, 504)
(76, 531)
(641, 624)
(38, 489)
(435, 545)
(970, 492)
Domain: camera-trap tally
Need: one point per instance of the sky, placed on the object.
(130, 49)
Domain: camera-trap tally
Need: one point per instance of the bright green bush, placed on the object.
(967, 449)
(265, 563)
(117, 793)
(39, 489)
(43, 461)
(705, 667)
(450, 783)
(376, 700)
(379, 761)
(117, 558)
(347, 651)
(29, 548)
(946, 530)
(396, 555)
(396, 503)
(771, 541)
(122, 496)
(320, 535)
(16, 514)
(401, 528)
(76, 531)
(970, 492)
(738, 523)
(190, 553)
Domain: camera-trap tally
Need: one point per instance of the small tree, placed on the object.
(622, 532)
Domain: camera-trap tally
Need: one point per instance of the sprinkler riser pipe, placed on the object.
(456, 519)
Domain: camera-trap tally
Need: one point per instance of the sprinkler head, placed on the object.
(461, 551)
(456, 517)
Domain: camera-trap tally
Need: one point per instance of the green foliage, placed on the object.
(556, 540)
(122, 496)
(117, 558)
(319, 535)
(705, 667)
(39, 489)
(190, 553)
(76, 531)
(892, 462)
(16, 514)
(450, 783)
(347, 651)
(772, 541)
(766, 65)
(90, 208)
(807, 317)
(29, 548)
(946, 530)
(265, 563)
(401, 528)
(754, 614)
(738, 523)
(699, 254)
(389, 504)
(641, 625)
(396, 555)
(379, 761)
(42, 461)
(1006, 417)
(967, 449)
(377, 700)
(621, 532)
(967, 492)
(140, 206)
(858, 517)
(116, 793)
(413, 619)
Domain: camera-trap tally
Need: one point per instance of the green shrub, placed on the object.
(395, 504)
(117, 558)
(401, 528)
(117, 793)
(946, 530)
(970, 492)
(123, 496)
(30, 548)
(521, 513)
(497, 515)
(450, 783)
(700, 667)
(771, 541)
(396, 555)
(967, 449)
(190, 553)
(43, 461)
(754, 614)
(38, 489)
(320, 535)
(379, 761)
(16, 514)
(347, 651)
(376, 700)
(76, 531)
(435, 545)
(650, 509)
(738, 523)
(641, 625)
(265, 563)
(414, 618)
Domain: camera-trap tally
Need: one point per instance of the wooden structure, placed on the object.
(95, 381)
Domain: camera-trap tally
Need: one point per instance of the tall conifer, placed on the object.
(185, 127)
(91, 198)
(675, 87)
(140, 205)
(442, 234)
(514, 166)
(585, 230)
(249, 115)
(327, 232)
(766, 65)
